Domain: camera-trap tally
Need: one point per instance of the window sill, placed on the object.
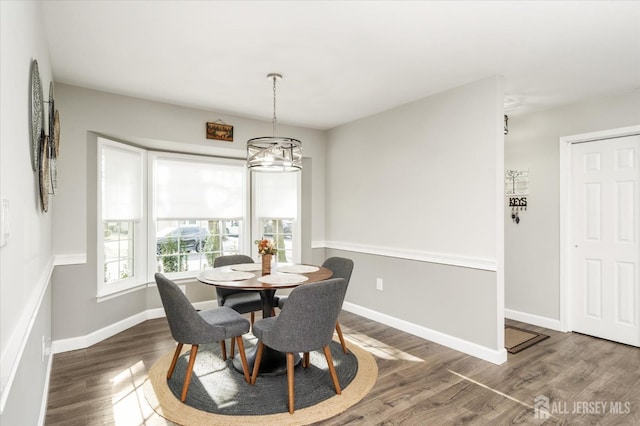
(142, 286)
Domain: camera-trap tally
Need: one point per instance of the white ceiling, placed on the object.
(342, 60)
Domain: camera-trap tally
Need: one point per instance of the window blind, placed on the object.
(187, 188)
(121, 180)
(276, 195)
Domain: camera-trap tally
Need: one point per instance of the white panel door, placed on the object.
(605, 285)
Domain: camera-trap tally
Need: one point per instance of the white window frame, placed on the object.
(140, 277)
(256, 231)
(151, 248)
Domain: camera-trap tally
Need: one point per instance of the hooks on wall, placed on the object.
(517, 204)
(516, 185)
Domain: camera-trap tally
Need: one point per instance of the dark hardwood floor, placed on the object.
(586, 380)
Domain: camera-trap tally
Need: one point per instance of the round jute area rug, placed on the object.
(218, 395)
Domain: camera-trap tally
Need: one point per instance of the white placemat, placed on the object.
(297, 269)
(247, 267)
(282, 279)
(226, 275)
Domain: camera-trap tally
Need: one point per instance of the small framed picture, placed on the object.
(220, 131)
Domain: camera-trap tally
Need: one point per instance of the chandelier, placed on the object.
(274, 153)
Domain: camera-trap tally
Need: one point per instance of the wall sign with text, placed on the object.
(220, 131)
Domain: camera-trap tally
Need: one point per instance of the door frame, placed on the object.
(566, 213)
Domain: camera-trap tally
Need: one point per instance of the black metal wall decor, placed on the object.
(45, 148)
(517, 204)
(520, 202)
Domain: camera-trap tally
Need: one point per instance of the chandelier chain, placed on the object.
(274, 105)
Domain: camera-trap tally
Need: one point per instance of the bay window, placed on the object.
(175, 213)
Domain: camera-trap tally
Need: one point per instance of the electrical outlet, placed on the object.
(379, 284)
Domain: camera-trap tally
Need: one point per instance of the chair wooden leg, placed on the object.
(176, 355)
(305, 360)
(253, 317)
(332, 370)
(187, 376)
(344, 345)
(243, 357)
(256, 363)
(233, 348)
(223, 349)
(290, 365)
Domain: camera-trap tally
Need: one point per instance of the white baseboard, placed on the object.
(550, 323)
(82, 342)
(494, 356)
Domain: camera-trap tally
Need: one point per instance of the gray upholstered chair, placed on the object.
(305, 324)
(242, 301)
(194, 328)
(341, 268)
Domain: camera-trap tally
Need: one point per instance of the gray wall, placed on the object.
(158, 126)
(421, 181)
(532, 252)
(459, 302)
(27, 260)
(88, 113)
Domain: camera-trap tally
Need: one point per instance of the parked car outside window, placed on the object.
(190, 237)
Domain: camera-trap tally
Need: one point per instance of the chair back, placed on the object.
(309, 317)
(232, 259)
(187, 326)
(340, 266)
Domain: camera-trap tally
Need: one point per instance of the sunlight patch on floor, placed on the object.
(230, 396)
(482, 385)
(129, 404)
(468, 379)
(377, 348)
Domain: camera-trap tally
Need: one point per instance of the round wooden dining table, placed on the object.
(273, 362)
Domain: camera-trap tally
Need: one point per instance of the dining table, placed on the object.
(249, 276)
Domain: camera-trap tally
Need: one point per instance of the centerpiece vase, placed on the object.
(266, 264)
